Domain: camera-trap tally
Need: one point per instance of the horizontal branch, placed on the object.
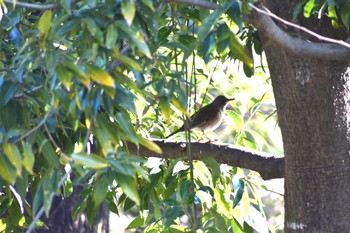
(268, 166)
(33, 5)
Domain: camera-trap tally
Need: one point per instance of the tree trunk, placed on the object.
(313, 104)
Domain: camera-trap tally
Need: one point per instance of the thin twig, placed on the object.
(21, 95)
(41, 123)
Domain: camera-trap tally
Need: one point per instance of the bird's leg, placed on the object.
(206, 135)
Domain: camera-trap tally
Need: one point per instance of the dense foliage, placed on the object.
(81, 79)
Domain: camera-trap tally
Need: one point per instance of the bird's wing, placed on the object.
(198, 119)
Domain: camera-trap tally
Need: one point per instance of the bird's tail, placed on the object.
(175, 132)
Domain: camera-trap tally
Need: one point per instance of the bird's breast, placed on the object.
(212, 123)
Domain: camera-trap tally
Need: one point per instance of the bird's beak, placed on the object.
(228, 100)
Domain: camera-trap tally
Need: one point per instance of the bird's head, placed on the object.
(221, 101)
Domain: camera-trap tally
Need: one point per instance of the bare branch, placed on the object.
(267, 165)
(33, 5)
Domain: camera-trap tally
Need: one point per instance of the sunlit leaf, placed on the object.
(44, 24)
(239, 52)
(8, 171)
(28, 157)
(14, 155)
(78, 71)
(165, 107)
(89, 160)
(64, 76)
(149, 145)
(310, 5)
(126, 60)
(128, 10)
(99, 75)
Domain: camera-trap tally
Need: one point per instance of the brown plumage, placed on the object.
(207, 118)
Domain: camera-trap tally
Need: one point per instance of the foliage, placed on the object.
(80, 81)
(337, 11)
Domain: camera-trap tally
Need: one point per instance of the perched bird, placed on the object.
(207, 118)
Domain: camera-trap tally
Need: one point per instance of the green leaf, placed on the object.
(238, 51)
(234, 12)
(128, 184)
(100, 190)
(7, 90)
(89, 160)
(48, 189)
(128, 10)
(14, 155)
(135, 223)
(38, 198)
(310, 5)
(67, 187)
(99, 75)
(177, 103)
(298, 8)
(136, 38)
(149, 145)
(332, 13)
(66, 4)
(104, 133)
(46, 150)
(126, 60)
(125, 123)
(64, 76)
(208, 46)
(165, 107)
(215, 168)
(111, 36)
(140, 220)
(79, 208)
(8, 171)
(80, 72)
(45, 23)
(238, 186)
(210, 20)
(28, 157)
(94, 30)
(223, 39)
(148, 3)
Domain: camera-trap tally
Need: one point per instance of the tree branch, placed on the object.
(297, 46)
(334, 50)
(268, 166)
(33, 5)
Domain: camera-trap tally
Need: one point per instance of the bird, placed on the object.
(207, 118)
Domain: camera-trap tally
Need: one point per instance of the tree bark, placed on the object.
(313, 104)
(268, 166)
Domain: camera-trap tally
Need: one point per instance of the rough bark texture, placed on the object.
(313, 103)
(267, 165)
